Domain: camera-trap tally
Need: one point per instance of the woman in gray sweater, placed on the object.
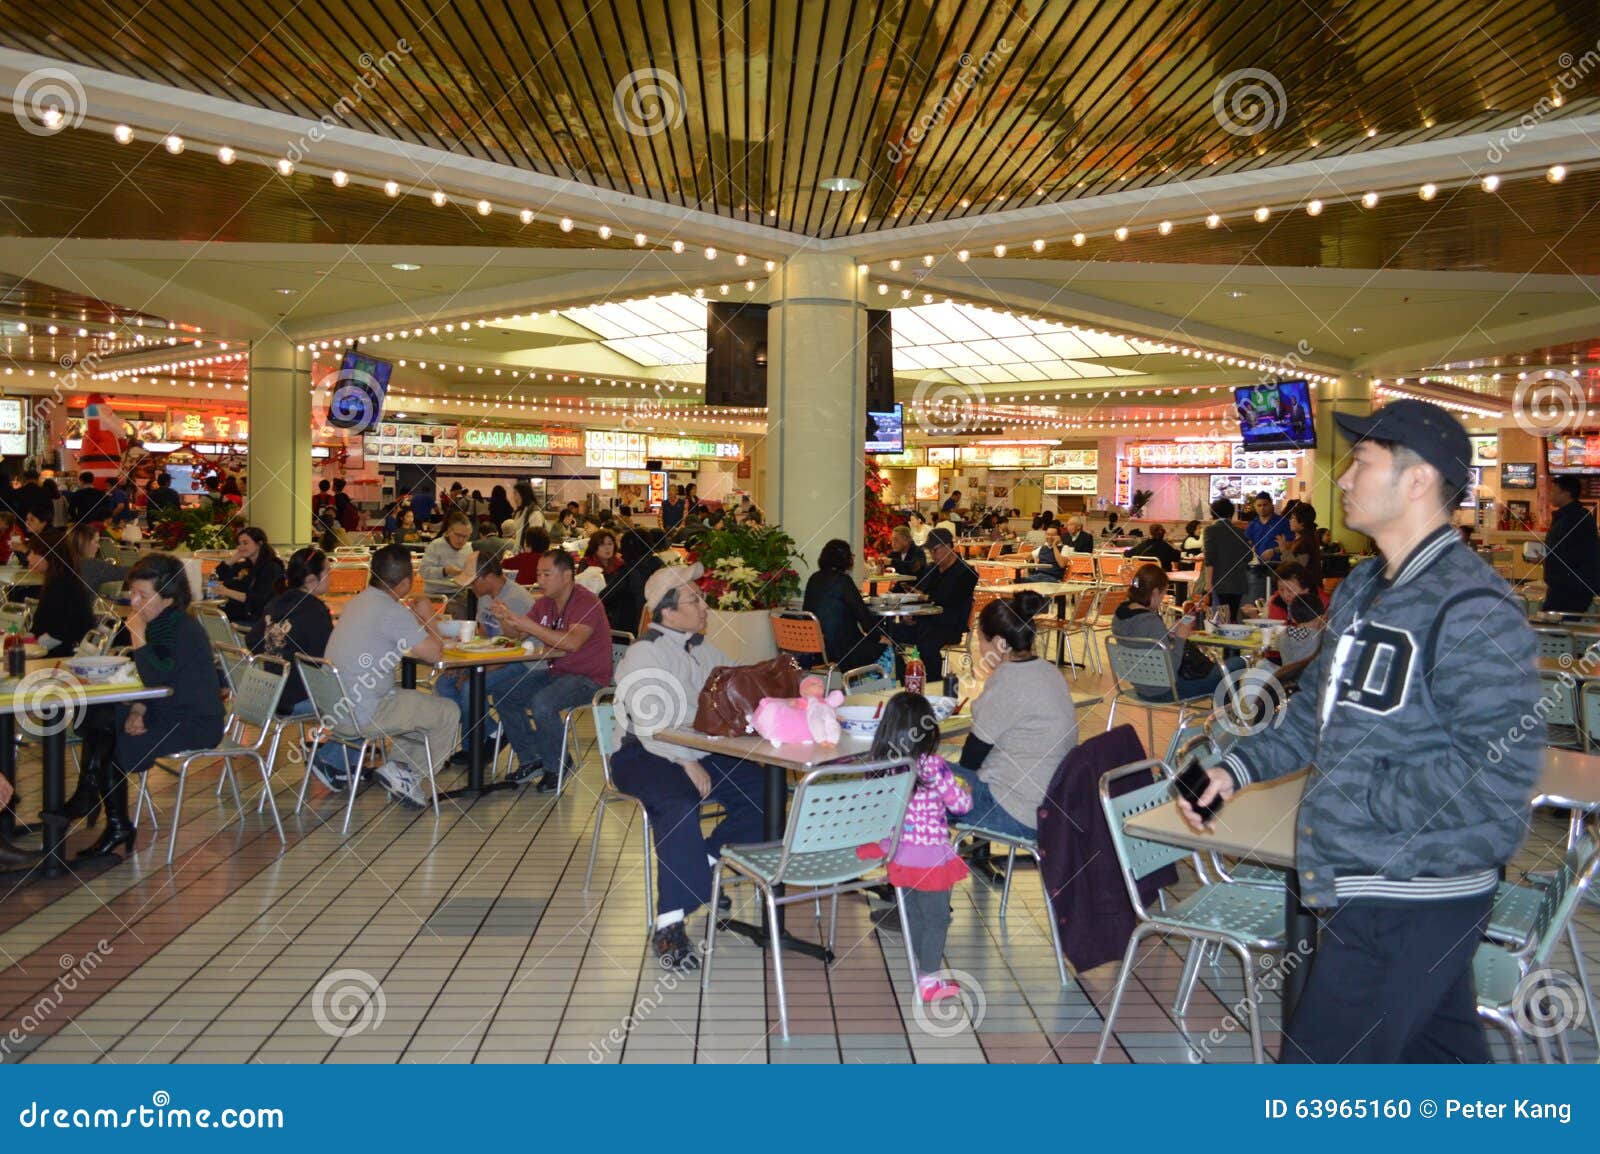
(1139, 618)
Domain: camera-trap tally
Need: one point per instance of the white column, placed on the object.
(280, 481)
(815, 450)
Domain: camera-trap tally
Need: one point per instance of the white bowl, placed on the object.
(1238, 632)
(861, 720)
(943, 707)
(98, 668)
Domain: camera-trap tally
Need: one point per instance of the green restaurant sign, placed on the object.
(520, 441)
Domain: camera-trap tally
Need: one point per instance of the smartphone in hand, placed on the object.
(1192, 784)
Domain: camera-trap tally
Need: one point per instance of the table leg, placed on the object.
(54, 744)
(472, 739)
(9, 826)
(408, 673)
(777, 819)
(1301, 926)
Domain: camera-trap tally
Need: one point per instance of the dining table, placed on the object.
(475, 660)
(1258, 825)
(779, 761)
(46, 701)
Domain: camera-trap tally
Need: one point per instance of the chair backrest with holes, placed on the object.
(325, 689)
(995, 550)
(256, 690)
(1138, 856)
(839, 808)
(218, 628)
(605, 729)
(620, 640)
(865, 679)
(992, 574)
(797, 632)
(1080, 567)
(1554, 642)
(347, 578)
(1557, 694)
(980, 599)
(233, 659)
(1568, 886)
(1141, 663)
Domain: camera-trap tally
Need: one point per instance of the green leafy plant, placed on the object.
(206, 526)
(1141, 498)
(747, 566)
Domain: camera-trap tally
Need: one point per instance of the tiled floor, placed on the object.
(472, 939)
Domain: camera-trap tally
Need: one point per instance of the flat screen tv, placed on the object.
(886, 431)
(359, 389)
(1519, 476)
(880, 362)
(736, 354)
(1276, 415)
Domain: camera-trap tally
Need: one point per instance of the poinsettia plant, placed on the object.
(209, 525)
(879, 522)
(747, 566)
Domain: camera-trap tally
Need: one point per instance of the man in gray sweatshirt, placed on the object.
(1418, 720)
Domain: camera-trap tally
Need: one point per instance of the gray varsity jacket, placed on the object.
(1419, 720)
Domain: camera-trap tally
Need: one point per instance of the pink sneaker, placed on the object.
(932, 989)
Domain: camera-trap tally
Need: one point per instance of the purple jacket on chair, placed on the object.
(1087, 896)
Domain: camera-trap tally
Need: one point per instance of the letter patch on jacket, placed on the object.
(1375, 674)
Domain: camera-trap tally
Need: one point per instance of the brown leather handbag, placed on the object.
(732, 692)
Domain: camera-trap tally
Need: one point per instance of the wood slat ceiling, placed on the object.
(1021, 101)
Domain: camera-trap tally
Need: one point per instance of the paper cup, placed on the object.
(468, 629)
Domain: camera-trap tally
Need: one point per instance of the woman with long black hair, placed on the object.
(296, 621)
(251, 578)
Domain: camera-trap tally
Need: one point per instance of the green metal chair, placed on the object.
(1559, 696)
(1524, 930)
(865, 679)
(1137, 663)
(1012, 844)
(219, 630)
(604, 710)
(835, 810)
(254, 705)
(1244, 919)
(1554, 643)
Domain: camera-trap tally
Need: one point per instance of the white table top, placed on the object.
(73, 694)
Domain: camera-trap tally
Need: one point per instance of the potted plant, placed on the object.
(1141, 498)
(206, 526)
(749, 571)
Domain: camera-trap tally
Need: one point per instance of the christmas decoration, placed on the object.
(875, 537)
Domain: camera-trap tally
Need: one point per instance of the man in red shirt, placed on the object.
(570, 620)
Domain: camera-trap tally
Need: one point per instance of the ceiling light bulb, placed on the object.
(741, 260)
(173, 144)
(894, 266)
(485, 208)
(1078, 239)
(640, 239)
(1038, 245)
(883, 290)
(962, 255)
(711, 254)
(341, 178)
(225, 154)
(1369, 200)
(999, 250)
(603, 232)
(565, 224)
(122, 134)
(1557, 173)
(1428, 191)
(771, 264)
(1490, 182)
(1314, 208)
(439, 198)
(391, 188)
(285, 167)
(1262, 213)
(723, 289)
(1164, 228)
(677, 246)
(1121, 233)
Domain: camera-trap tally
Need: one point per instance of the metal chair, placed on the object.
(1112, 569)
(605, 721)
(346, 579)
(1077, 623)
(865, 679)
(800, 633)
(254, 705)
(110, 590)
(1080, 567)
(219, 630)
(1138, 663)
(1013, 843)
(330, 704)
(232, 658)
(835, 810)
(1553, 643)
(1560, 696)
(1500, 972)
(1243, 919)
(620, 640)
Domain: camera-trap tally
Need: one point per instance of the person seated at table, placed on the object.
(95, 570)
(1023, 723)
(1139, 618)
(1111, 529)
(570, 622)
(1294, 585)
(1327, 545)
(377, 627)
(170, 650)
(1077, 538)
(405, 529)
(65, 610)
(1049, 560)
(500, 682)
(1192, 546)
(1157, 548)
(851, 633)
(524, 566)
(449, 560)
(918, 526)
(564, 527)
(329, 533)
(949, 583)
(250, 579)
(297, 621)
(1300, 542)
(599, 563)
(905, 555)
(658, 686)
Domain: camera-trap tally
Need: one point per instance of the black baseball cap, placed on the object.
(1425, 428)
(939, 537)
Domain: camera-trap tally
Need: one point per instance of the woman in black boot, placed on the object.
(65, 612)
(170, 649)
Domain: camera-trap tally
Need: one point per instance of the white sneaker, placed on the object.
(404, 784)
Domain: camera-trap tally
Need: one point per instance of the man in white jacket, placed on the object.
(658, 687)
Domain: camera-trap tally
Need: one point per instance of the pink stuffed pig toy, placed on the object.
(802, 720)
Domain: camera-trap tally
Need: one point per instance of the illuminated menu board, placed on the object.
(692, 449)
(613, 449)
